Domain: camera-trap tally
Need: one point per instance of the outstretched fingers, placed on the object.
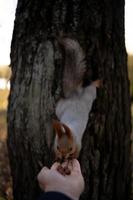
(75, 166)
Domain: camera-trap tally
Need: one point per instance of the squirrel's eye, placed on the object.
(70, 149)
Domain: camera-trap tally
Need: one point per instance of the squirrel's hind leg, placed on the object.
(97, 83)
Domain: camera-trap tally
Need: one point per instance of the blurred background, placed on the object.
(7, 15)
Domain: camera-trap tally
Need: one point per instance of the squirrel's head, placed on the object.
(64, 146)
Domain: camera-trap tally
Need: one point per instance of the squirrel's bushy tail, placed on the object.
(75, 65)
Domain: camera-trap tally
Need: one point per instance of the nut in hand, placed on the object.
(63, 170)
(67, 170)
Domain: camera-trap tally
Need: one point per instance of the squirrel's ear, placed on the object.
(68, 131)
(59, 129)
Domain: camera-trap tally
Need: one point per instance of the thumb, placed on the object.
(55, 166)
(42, 174)
(76, 166)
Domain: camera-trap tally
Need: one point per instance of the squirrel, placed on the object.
(72, 110)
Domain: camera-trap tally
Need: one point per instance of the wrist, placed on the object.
(63, 191)
(55, 195)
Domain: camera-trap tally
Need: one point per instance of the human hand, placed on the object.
(72, 185)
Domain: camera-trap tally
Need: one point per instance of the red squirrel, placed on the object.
(72, 110)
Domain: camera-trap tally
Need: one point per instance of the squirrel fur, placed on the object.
(74, 107)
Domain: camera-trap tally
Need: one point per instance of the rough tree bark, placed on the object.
(36, 85)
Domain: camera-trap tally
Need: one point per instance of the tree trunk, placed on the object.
(36, 82)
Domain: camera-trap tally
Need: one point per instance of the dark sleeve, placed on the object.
(54, 196)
